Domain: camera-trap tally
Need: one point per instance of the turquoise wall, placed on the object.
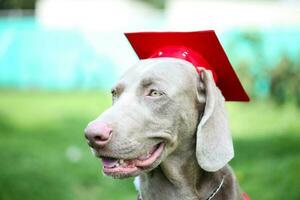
(35, 57)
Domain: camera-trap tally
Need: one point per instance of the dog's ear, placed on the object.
(214, 147)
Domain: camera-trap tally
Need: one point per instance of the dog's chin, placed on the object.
(122, 168)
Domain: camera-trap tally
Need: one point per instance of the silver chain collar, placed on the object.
(217, 189)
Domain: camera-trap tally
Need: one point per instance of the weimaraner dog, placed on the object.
(168, 126)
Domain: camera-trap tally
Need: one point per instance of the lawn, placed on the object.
(44, 156)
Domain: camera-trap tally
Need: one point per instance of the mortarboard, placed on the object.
(201, 48)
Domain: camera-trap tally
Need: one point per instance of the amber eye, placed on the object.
(155, 93)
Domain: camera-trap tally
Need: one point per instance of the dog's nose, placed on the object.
(98, 134)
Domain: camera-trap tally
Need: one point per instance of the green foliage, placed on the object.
(38, 130)
(160, 4)
(17, 4)
(278, 81)
(285, 81)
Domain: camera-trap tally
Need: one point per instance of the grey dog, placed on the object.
(167, 126)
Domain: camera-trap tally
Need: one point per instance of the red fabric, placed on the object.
(204, 50)
(246, 197)
(184, 53)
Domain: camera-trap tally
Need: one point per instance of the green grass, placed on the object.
(43, 154)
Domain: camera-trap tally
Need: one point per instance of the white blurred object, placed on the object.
(102, 23)
(137, 183)
(96, 15)
(180, 15)
(73, 153)
(224, 15)
(114, 46)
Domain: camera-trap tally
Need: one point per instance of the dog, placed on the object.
(168, 127)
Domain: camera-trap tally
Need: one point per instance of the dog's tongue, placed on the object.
(109, 162)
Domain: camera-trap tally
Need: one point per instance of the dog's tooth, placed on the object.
(121, 161)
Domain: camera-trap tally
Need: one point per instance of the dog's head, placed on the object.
(159, 106)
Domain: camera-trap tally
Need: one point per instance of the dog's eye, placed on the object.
(113, 92)
(155, 93)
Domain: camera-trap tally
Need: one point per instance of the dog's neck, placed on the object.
(179, 177)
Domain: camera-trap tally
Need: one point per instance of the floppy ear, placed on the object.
(214, 147)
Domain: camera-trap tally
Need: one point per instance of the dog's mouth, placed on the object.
(128, 167)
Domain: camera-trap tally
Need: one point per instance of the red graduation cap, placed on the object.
(201, 48)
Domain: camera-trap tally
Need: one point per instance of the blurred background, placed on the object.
(59, 58)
